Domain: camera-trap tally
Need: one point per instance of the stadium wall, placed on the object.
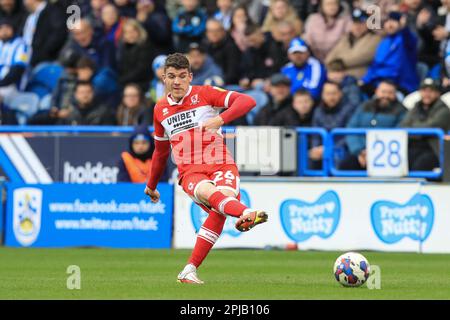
(406, 216)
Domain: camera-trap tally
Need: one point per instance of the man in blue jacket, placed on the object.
(383, 111)
(305, 71)
(395, 58)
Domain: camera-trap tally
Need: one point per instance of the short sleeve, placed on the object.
(160, 133)
(217, 97)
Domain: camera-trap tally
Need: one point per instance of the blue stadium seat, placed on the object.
(43, 78)
(25, 105)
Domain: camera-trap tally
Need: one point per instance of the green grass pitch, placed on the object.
(229, 274)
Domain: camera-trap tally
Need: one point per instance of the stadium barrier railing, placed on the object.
(431, 132)
(328, 162)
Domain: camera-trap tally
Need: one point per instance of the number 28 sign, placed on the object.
(387, 153)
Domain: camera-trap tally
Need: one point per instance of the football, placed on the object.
(351, 269)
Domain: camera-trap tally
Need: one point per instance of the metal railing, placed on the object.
(432, 132)
(303, 169)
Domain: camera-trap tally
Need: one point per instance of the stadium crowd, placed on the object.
(326, 63)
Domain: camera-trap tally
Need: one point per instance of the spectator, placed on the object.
(157, 88)
(382, 111)
(102, 52)
(133, 110)
(204, 70)
(14, 11)
(223, 15)
(112, 24)
(280, 101)
(189, 24)
(103, 80)
(324, 29)
(429, 112)
(63, 92)
(395, 57)
(356, 49)
(258, 62)
(422, 19)
(126, 8)
(240, 19)
(281, 10)
(134, 54)
(223, 50)
(157, 24)
(44, 31)
(135, 164)
(332, 112)
(285, 33)
(85, 109)
(299, 114)
(14, 60)
(349, 85)
(305, 72)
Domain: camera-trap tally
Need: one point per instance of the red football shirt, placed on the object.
(193, 148)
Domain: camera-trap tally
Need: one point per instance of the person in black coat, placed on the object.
(15, 12)
(134, 56)
(223, 50)
(299, 114)
(280, 101)
(50, 30)
(257, 61)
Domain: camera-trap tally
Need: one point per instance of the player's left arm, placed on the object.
(236, 104)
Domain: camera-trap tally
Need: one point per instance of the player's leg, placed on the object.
(207, 235)
(223, 197)
(206, 238)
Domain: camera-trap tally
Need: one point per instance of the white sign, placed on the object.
(395, 216)
(387, 153)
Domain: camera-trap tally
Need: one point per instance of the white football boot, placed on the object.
(189, 275)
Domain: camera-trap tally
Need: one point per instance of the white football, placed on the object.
(351, 269)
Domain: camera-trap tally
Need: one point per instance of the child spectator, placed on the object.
(281, 10)
(349, 84)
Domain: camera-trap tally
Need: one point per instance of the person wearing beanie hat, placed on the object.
(13, 60)
(135, 163)
(157, 90)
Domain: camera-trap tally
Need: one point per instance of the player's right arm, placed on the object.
(159, 160)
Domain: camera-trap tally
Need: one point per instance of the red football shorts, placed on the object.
(224, 177)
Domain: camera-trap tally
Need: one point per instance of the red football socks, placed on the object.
(206, 237)
(226, 205)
